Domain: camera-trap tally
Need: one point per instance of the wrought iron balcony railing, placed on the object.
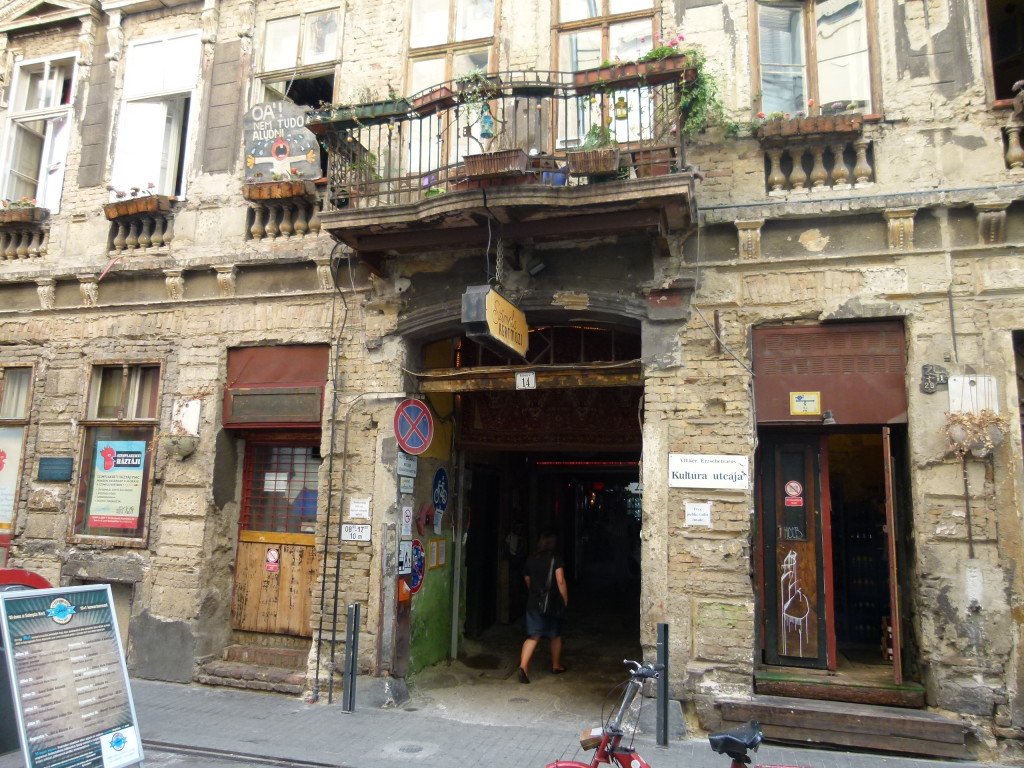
(515, 128)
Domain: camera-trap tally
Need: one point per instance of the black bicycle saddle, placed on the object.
(736, 741)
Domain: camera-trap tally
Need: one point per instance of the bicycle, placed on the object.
(608, 739)
(734, 742)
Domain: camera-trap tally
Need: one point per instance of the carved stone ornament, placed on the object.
(323, 273)
(750, 238)
(46, 287)
(901, 228)
(226, 280)
(991, 222)
(89, 287)
(175, 284)
(932, 377)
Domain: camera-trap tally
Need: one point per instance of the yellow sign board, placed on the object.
(805, 403)
(494, 321)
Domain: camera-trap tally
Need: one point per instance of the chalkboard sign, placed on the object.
(55, 469)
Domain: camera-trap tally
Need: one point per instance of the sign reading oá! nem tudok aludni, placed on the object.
(115, 495)
(696, 470)
(72, 701)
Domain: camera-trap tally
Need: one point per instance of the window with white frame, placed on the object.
(38, 129)
(15, 389)
(160, 81)
(117, 454)
(448, 38)
(299, 55)
(814, 56)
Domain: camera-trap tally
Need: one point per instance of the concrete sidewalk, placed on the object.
(276, 726)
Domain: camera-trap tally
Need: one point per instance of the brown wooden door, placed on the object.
(794, 589)
(276, 564)
(274, 575)
(890, 538)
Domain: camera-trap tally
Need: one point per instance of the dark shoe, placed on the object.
(558, 670)
(523, 677)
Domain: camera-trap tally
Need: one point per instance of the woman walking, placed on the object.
(544, 574)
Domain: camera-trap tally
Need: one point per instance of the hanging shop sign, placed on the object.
(10, 460)
(72, 700)
(414, 426)
(419, 566)
(116, 493)
(694, 470)
(278, 145)
(493, 321)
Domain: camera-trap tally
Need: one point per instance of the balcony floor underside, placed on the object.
(662, 206)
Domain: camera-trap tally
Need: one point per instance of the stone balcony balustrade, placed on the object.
(139, 224)
(816, 154)
(24, 233)
(283, 209)
(1013, 151)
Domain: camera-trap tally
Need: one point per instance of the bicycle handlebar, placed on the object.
(642, 671)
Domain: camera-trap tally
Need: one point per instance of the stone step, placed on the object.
(268, 656)
(235, 674)
(843, 724)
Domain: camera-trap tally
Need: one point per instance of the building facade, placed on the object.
(770, 391)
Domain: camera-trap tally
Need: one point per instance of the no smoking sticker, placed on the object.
(793, 488)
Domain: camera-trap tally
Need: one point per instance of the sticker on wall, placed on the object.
(794, 488)
(406, 484)
(419, 566)
(353, 532)
(432, 553)
(273, 560)
(438, 520)
(404, 558)
(805, 403)
(359, 509)
(698, 513)
(406, 523)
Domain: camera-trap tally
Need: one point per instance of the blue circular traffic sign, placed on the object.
(439, 493)
(414, 426)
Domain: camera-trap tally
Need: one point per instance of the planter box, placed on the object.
(593, 162)
(135, 206)
(823, 125)
(23, 215)
(278, 190)
(353, 114)
(631, 74)
(505, 162)
(437, 98)
(849, 123)
(495, 181)
(486, 87)
(653, 162)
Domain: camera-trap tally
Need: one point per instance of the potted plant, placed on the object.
(477, 86)
(135, 201)
(598, 154)
(367, 107)
(280, 186)
(22, 211)
(433, 99)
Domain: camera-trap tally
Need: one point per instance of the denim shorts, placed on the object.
(539, 625)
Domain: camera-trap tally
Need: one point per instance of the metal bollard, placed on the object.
(348, 675)
(662, 704)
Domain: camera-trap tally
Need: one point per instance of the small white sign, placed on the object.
(526, 380)
(359, 509)
(406, 522)
(355, 532)
(438, 517)
(406, 464)
(696, 470)
(971, 394)
(404, 558)
(698, 513)
(406, 484)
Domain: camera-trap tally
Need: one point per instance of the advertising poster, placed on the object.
(10, 461)
(117, 484)
(73, 703)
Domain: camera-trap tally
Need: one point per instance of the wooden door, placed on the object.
(890, 538)
(794, 536)
(273, 580)
(276, 563)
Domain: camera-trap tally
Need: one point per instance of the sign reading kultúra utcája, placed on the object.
(697, 470)
(73, 703)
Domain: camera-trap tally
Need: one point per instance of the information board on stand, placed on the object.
(72, 699)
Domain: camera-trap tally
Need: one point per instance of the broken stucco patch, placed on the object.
(813, 240)
(570, 300)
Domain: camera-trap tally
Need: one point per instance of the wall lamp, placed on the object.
(827, 419)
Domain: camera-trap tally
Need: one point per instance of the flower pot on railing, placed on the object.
(135, 206)
(669, 69)
(593, 162)
(505, 162)
(440, 97)
(478, 87)
(23, 215)
(374, 110)
(278, 190)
